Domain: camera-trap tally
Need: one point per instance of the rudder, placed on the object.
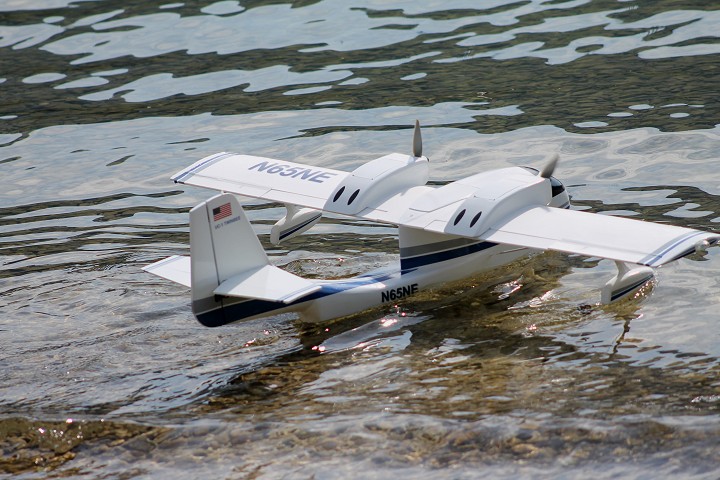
(222, 244)
(229, 263)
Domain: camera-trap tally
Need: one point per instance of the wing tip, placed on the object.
(682, 247)
(187, 172)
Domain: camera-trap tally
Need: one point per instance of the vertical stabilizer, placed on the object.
(231, 276)
(222, 244)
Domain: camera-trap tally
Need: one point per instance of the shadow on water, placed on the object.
(688, 206)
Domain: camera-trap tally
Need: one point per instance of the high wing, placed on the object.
(604, 236)
(492, 207)
(507, 206)
(320, 188)
(263, 178)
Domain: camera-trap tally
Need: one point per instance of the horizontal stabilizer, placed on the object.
(267, 283)
(175, 268)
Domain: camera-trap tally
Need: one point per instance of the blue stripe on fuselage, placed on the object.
(409, 264)
(250, 308)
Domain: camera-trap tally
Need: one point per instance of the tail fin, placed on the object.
(222, 243)
(227, 260)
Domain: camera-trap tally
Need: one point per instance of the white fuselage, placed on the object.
(338, 298)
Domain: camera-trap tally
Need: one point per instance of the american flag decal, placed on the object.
(222, 211)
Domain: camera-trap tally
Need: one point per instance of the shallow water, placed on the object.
(106, 374)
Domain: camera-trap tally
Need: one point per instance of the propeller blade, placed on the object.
(417, 141)
(549, 168)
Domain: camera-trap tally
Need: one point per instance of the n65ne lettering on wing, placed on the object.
(303, 173)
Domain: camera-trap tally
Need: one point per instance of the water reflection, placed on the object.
(484, 393)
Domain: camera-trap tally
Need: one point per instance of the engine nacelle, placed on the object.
(372, 183)
(497, 195)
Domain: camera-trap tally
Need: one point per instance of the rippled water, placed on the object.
(106, 374)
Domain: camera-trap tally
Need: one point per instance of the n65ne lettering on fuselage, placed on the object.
(399, 292)
(301, 172)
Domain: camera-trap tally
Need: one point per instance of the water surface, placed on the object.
(520, 373)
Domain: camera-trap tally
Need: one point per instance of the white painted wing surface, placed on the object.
(263, 178)
(595, 235)
(175, 269)
(540, 227)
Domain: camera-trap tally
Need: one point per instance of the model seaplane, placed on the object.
(445, 233)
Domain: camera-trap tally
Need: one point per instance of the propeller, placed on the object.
(549, 168)
(417, 140)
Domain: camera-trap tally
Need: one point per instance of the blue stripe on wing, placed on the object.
(182, 176)
(658, 257)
